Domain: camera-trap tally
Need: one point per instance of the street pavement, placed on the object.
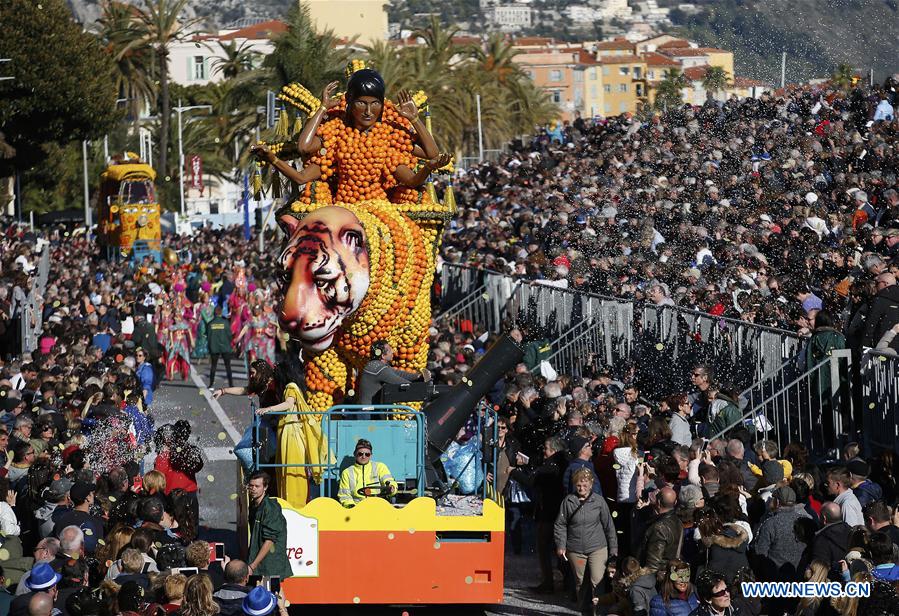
(218, 426)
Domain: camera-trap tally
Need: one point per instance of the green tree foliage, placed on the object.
(133, 57)
(159, 25)
(63, 88)
(238, 59)
(715, 79)
(306, 56)
(669, 91)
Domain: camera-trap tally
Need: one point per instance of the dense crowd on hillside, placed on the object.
(781, 211)
(767, 210)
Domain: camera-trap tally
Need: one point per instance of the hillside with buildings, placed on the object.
(817, 35)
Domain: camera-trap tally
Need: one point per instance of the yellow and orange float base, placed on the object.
(378, 554)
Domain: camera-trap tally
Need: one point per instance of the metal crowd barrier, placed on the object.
(32, 312)
(482, 299)
(664, 341)
(815, 408)
(880, 401)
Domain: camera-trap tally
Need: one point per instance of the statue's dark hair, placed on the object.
(366, 82)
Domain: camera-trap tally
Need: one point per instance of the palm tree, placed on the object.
(303, 55)
(237, 59)
(497, 58)
(715, 80)
(158, 26)
(133, 61)
(843, 76)
(391, 63)
(439, 42)
(668, 92)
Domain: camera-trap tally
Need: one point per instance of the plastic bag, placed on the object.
(463, 463)
(547, 371)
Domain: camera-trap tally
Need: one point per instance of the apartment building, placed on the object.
(580, 82)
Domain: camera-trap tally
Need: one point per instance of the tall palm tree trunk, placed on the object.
(165, 111)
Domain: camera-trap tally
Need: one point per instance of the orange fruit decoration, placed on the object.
(402, 244)
(403, 228)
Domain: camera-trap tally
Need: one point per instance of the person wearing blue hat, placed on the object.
(41, 579)
(260, 602)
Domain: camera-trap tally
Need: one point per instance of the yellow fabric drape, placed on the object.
(300, 441)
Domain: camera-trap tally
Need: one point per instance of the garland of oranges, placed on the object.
(315, 191)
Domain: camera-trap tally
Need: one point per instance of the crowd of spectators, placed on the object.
(765, 210)
(781, 211)
(92, 524)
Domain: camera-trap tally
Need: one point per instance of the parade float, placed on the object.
(358, 263)
(129, 212)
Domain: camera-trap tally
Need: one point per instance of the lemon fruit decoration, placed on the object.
(397, 307)
(298, 96)
(356, 64)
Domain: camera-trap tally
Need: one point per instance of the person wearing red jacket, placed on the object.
(179, 460)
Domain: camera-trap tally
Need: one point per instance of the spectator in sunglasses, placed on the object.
(714, 596)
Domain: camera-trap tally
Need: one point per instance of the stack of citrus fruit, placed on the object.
(397, 307)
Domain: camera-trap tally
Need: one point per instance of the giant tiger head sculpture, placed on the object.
(326, 276)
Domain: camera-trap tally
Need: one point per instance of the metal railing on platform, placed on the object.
(880, 401)
(665, 341)
(814, 408)
(330, 467)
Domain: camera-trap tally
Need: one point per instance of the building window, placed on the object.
(198, 72)
(607, 88)
(637, 72)
(622, 87)
(624, 70)
(605, 70)
(594, 91)
(652, 75)
(555, 75)
(578, 76)
(607, 108)
(530, 75)
(639, 89)
(622, 107)
(556, 96)
(593, 73)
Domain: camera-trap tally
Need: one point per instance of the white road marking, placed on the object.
(215, 454)
(216, 407)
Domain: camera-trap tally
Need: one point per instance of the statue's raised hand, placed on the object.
(407, 107)
(262, 153)
(439, 162)
(329, 101)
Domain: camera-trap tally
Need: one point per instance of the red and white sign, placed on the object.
(196, 173)
(302, 543)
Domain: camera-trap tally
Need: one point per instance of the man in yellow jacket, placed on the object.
(365, 472)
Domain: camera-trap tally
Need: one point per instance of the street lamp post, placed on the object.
(180, 109)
